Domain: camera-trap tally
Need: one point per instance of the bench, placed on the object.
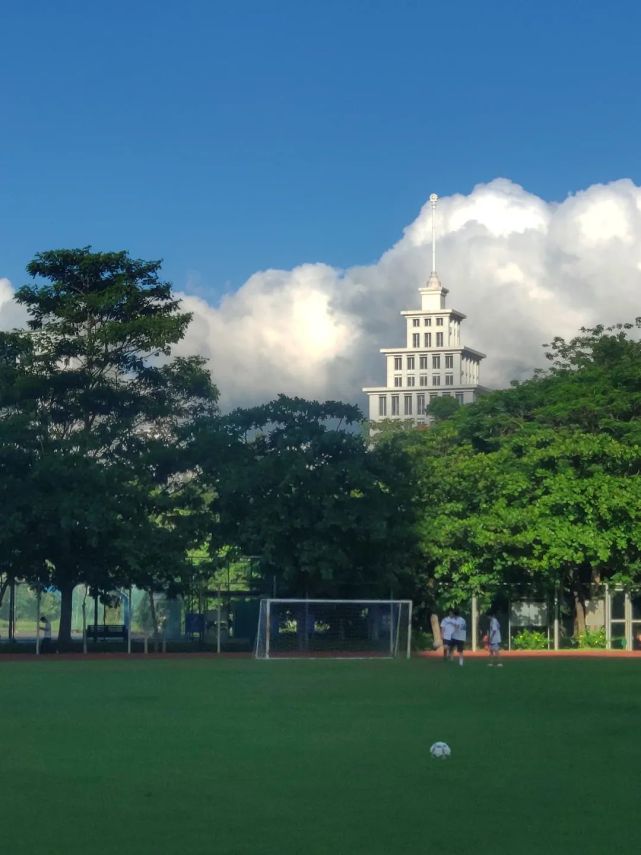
(107, 630)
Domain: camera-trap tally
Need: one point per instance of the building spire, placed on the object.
(434, 283)
(433, 201)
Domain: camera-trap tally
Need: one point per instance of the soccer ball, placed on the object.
(440, 750)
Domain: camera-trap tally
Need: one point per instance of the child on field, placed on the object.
(494, 640)
(447, 628)
(459, 636)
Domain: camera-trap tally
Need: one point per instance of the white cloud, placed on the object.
(521, 269)
(276, 333)
(11, 314)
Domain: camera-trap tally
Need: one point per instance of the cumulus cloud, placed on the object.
(11, 314)
(522, 269)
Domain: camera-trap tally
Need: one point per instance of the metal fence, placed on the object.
(612, 620)
(224, 620)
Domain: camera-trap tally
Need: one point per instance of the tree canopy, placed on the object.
(537, 486)
(94, 419)
(295, 485)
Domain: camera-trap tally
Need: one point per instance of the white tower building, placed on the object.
(433, 362)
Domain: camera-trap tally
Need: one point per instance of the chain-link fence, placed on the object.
(228, 620)
(222, 621)
(609, 618)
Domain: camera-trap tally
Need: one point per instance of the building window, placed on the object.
(411, 380)
(422, 380)
(398, 363)
(436, 379)
(410, 363)
(382, 405)
(395, 408)
(428, 322)
(460, 397)
(436, 362)
(439, 322)
(416, 322)
(423, 363)
(439, 339)
(446, 394)
(433, 396)
(398, 381)
(427, 339)
(449, 360)
(416, 340)
(420, 405)
(407, 405)
(449, 379)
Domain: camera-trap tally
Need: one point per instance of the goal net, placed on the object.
(333, 629)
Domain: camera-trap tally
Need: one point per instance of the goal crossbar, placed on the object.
(356, 602)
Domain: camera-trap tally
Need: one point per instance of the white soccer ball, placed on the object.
(440, 750)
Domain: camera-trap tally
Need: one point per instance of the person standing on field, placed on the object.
(46, 634)
(459, 635)
(494, 640)
(447, 628)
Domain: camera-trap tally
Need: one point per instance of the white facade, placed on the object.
(432, 363)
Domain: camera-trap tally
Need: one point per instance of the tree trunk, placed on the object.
(84, 621)
(3, 587)
(436, 631)
(154, 619)
(12, 610)
(579, 614)
(64, 632)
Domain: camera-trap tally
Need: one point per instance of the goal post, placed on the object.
(334, 629)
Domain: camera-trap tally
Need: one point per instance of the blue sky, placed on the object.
(229, 137)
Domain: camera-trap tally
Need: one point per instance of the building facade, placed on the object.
(432, 363)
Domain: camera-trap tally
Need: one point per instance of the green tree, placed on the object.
(537, 485)
(93, 405)
(296, 485)
(442, 408)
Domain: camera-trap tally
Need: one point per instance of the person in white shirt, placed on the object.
(494, 640)
(447, 628)
(45, 628)
(459, 635)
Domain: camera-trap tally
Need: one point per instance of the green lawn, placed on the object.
(236, 756)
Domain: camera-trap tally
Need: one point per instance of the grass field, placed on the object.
(235, 756)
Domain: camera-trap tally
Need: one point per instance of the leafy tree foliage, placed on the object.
(297, 487)
(95, 421)
(537, 486)
(442, 408)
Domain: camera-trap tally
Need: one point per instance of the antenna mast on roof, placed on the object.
(433, 201)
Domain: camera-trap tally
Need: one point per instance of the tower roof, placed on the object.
(434, 283)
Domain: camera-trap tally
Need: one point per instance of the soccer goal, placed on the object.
(335, 629)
